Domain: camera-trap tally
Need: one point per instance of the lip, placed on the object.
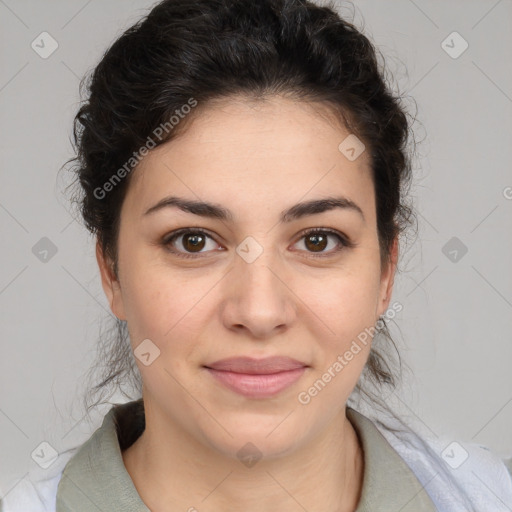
(257, 378)
(252, 366)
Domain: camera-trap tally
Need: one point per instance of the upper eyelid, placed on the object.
(179, 232)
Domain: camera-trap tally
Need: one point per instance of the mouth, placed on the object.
(257, 378)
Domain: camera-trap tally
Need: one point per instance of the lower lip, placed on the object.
(258, 386)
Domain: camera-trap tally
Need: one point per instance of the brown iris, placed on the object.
(319, 242)
(193, 241)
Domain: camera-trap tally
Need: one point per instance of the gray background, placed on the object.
(454, 330)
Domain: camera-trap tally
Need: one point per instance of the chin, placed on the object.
(257, 439)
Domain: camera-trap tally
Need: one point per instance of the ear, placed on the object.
(110, 283)
(387, 279)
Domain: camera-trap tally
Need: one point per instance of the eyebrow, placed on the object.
(215, 211)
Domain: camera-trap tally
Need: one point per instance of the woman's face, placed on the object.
(254, 284)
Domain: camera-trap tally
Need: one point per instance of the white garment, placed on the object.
(33, 493)
(482, 476)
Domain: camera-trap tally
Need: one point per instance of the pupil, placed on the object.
(319, 242)
(194, 240)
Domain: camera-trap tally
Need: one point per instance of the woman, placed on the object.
(243, 167)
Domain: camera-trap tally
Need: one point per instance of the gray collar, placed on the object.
(388, 482)
(95, 478)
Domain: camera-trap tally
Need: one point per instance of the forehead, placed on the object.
(261, 153)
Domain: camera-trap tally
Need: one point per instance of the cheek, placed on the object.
(345, 300)
(165, 306)
(345, 304)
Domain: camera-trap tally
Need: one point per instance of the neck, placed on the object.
(173, 471)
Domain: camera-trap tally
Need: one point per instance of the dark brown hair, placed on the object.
(212, 49)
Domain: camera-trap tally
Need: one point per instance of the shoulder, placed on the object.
(449, 468)
(38, 490)
(35, 492)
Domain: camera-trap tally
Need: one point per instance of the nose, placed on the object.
(258, 297)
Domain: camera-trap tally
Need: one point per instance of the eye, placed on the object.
(317, 240)
(189, 242)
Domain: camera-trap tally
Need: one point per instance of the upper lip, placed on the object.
(253, 366)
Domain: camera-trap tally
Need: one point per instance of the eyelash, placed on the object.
(343, 241)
